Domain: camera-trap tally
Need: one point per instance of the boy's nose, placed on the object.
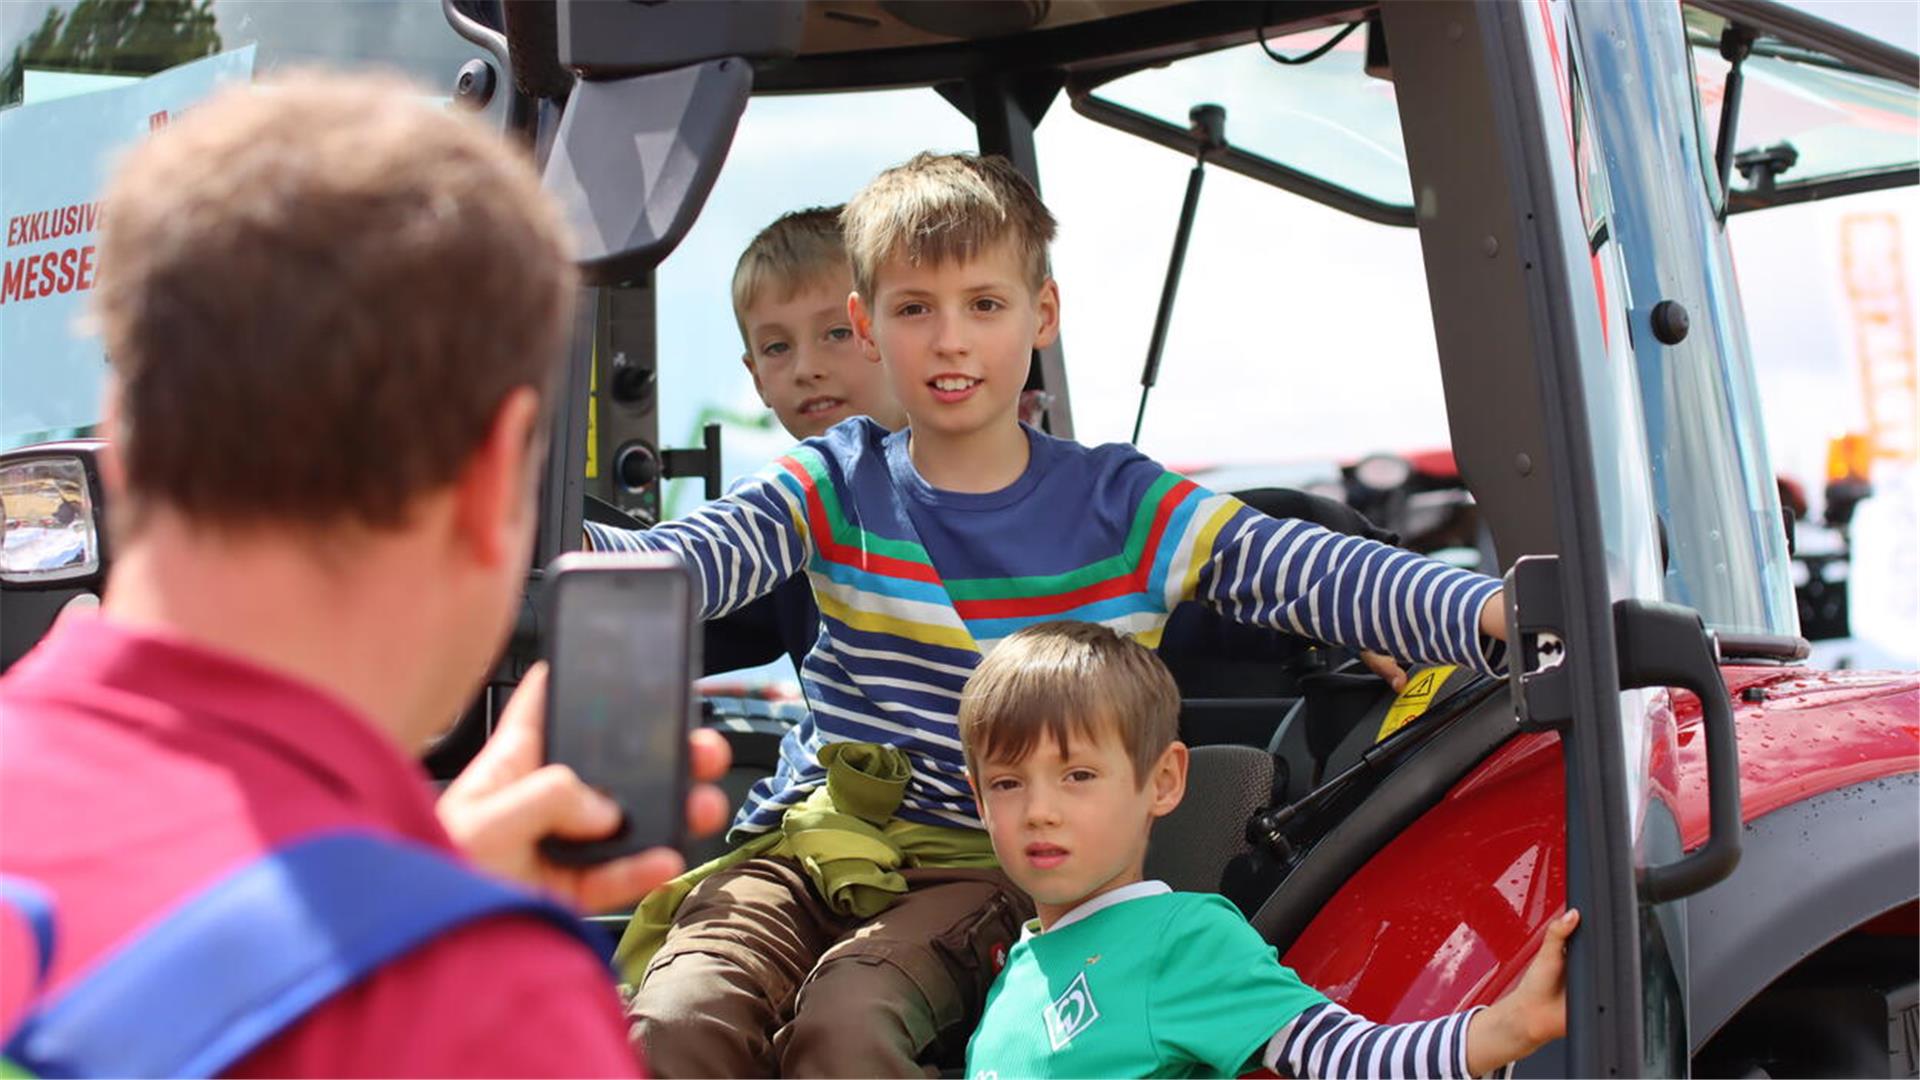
(950, 337)
(806, 365)
(1043, 809)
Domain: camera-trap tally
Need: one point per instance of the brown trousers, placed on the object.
(758, 977)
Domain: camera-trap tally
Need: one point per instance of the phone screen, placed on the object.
(620, 684)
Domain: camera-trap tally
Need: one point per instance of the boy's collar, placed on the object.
(1137, 890)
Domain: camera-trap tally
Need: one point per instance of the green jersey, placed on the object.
(1139, 982)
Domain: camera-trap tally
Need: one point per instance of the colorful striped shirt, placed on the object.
(915, 584)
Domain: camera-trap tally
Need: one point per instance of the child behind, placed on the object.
(790, 300)
(1069, 733)
(790, 291)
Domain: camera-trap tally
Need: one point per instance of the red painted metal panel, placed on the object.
(1449, 913)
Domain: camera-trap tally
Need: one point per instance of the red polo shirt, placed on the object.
(135, 769)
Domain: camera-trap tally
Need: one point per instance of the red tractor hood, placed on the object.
(1802, 732)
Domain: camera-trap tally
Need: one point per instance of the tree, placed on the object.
(113, 37)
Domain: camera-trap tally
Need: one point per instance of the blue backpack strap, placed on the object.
(239, 962)
(31, 904)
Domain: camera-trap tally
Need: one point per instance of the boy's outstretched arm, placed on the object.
(1533, 1013)
(1291, 575)
(1327, 1041)
(740, 546)
(1493, 624)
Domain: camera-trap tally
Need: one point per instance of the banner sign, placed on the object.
(54, 157)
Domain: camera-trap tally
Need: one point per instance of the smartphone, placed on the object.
(622, 656)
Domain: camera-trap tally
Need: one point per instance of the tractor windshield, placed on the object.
(1314, 112)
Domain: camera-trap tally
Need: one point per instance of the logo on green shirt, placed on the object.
(1071, 1013)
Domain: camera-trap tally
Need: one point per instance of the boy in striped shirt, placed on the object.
(925, 548)
(1070, 742)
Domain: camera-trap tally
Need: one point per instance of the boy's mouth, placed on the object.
(952, 388)
(816, 406)
(1046, 856)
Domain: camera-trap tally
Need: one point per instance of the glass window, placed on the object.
(1300, 335)
(1834, 121)
(52, 49)
(61, 129)
(1327, 117)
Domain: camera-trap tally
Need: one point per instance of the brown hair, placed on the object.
(937, 207)
(800, 248)
(316, 296)
(1065, 678)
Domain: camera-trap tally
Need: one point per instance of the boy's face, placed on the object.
(1070, 826)
(806, 364)
(957, 337)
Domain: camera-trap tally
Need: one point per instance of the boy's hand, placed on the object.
(1493, 623)
(1387, 668)
(1532, 1014)
(1493, 616)
(505, 801)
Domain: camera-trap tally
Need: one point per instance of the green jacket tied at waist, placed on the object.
(844, 836)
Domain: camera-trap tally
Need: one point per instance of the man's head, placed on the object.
(332, 313)
(1070, 735)
(951, 286)
(790, 299)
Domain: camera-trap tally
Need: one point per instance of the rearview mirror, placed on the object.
(53, 539)
(49, 503)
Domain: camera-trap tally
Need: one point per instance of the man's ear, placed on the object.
(494, 491)
(1169, 779)
(754, 374)
(862, 320)
(1047, 302)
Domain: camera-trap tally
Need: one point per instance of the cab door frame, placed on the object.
(1516, 325)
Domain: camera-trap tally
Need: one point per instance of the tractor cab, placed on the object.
(1506, 221)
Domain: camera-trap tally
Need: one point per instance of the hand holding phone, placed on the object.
(506, 801)
(623, 655)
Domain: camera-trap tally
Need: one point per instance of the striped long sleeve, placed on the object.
(741, 546)
(1327, 1041)
(1294, 576)
(915, 584)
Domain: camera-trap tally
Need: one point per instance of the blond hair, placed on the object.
(800, 248)
(1065, 678)
(940, 207)
(316, 296)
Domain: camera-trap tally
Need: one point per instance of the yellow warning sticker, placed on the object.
(1420, 691)
(593, 416)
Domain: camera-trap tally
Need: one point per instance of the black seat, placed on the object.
(1191, 848)
(1237, 682)
(753, 730)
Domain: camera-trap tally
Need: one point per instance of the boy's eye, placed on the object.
(1004, 783)
(1080, 776)
(774, 348)
(987, 303)
(840, 333)
(913, 307)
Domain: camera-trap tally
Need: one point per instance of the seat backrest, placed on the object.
(1191, 847)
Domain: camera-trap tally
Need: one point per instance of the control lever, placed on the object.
(637, 467)
(703, 462)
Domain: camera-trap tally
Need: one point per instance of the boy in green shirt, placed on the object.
(1069, 735)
